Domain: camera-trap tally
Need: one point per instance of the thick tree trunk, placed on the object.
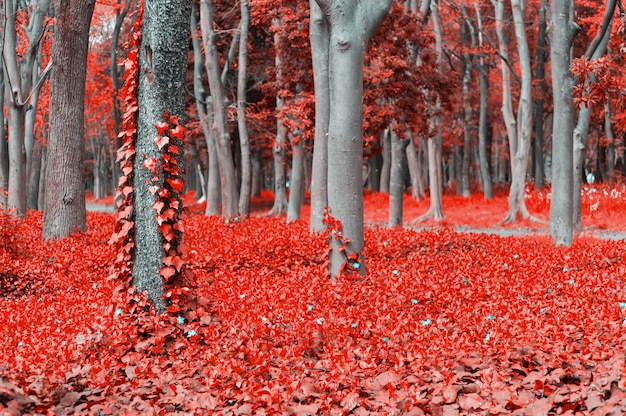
(396, 181)
(296, 190)
(319, 33)
(64, 206)
(352, 24)
(561, 204)
(163, 64)
(34, 176)
(220, 117)
(244, 141)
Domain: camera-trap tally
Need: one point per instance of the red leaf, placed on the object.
(161, 141)
(158, 206)
(162, 127)
(172, 149)
(150, 164)
(176, 184)
(177, 132)
(167, 272)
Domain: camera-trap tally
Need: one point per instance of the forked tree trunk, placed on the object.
(244, 141)
(561, 205)
(220, 117)
(161, 90)
(596, 49)
(352, 24)
(64, 206)
(319, 34)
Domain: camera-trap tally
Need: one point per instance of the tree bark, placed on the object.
(64, 203)
(244, 141)
(296, 189)
(561, 204)
(220, 117)
(539, 102)
(385, 170)
(280, 142)
(596, 49)
(352, 24)
(396, 181)
(163, 64)
(319, 34)
(483, 83)
(413, 163)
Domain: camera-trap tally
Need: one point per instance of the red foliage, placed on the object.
(444, 323)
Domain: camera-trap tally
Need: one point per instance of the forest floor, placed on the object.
(444, 323)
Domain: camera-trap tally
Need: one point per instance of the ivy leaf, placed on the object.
(161, 141)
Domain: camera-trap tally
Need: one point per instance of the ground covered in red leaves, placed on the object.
(444, 323)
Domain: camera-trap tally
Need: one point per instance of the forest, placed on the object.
(329, 207)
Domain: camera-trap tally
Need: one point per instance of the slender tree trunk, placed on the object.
(220, 117)
(596, 49)
(539, 102)
(352, 24)
(4, 146)
(483, 82)
(417, 187)
(296, 190)
(257, 179)
(467, 127)
(64, 206)
(396, 181)
(280, 142)
(244, 141)
(610, 137)
(385, 170)
(561, 204)
(34, 176)
(319, 33)
(120, 15)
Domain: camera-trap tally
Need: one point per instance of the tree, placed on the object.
(352, 24)
(319, 33)
(242, 82)
(220, 117)
(18, 89)
(64, 206)
(159, 145)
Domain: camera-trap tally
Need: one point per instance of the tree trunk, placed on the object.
(520, 146)
(296, 190)
(483, 82)
(352, 24)
(596, 49)
(319, 33)
(220, 117)
(244, 141)
(64, 204)
(561, 204)
(396, 180)
(280, 142)
(610, 138)
(4, 145)
(34, 176)
(385, 170)
(163, 64)
(120, 15)
(467, 127)
(257, 179)
(417, 187)
(539, 102)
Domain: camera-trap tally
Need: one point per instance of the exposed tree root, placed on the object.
(435, 214)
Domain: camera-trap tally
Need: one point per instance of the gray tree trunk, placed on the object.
(483, 82)
(539, 102)
(163, 64)
(319, 33)
(385, 170)
(561, 204)
(396, 180)
(352, 24)
(517, 203)
(244, 141)
(220, 117)
(64, 204)
(280, 142)
(596, 49)
(296, 190)
(4, 145)
(417, 186)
